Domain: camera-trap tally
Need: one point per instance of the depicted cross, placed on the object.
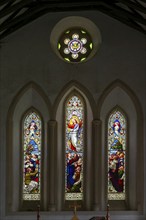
(38, 212)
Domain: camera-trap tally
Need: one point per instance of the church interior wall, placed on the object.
(32, 76)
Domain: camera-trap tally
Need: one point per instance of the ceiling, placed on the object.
(14, 14)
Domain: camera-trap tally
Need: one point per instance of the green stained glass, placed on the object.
(59, 46)
(116, 155)
(32, 127)
(67, 59)
(91, 46)
(83, 59)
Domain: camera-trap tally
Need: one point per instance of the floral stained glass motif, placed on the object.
(116, 155)
(74, 148)
(75, 45)
(32, 154)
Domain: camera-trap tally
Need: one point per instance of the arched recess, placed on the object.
(73, 89)
(73, 84)
(119, 94)
(29, 98)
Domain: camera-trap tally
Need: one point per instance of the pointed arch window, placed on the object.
(32, 141)
(117, 139)
(74, 148)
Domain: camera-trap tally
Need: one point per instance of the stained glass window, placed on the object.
(74, 148)
(117, 130)
(32, 127)
(75, 45)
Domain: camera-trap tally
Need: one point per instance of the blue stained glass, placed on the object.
(74, 149)
(116, 155)
(32, 156)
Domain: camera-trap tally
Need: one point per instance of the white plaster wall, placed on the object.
(26, 55)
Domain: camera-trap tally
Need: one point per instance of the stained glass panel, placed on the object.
(32, 155)
(74, 149)
(116, 155)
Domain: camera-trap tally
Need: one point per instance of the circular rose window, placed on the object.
(75, 39)
(75, 45)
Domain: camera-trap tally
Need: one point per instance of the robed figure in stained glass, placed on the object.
(32, 154)
(74, 149)
(74, 128)
(116, 155)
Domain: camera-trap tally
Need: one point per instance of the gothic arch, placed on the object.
(124, 87)
(120, 116)
(22, 91)
(128, 101)
(37, 142)
(30, 97)
(74, 85)
(73, 89)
